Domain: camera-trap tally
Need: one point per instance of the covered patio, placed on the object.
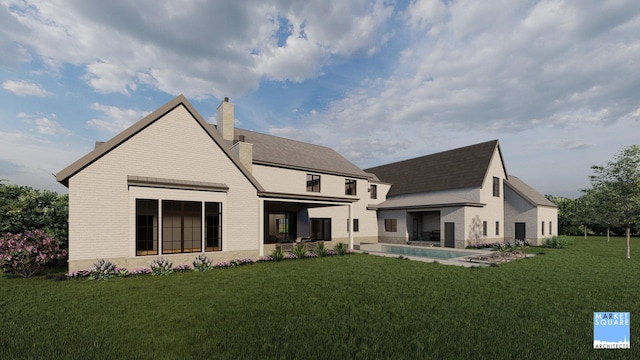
(285, 219)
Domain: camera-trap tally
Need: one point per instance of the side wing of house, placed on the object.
(164, 187)
(454, 198)
(528, 215)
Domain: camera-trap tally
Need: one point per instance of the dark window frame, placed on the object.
(146, 234)
(350, 187)
(356, 225)
(390, 225)
(484, 228)
(497, 228)
(373, 191)
(496, 186)
(313, 183)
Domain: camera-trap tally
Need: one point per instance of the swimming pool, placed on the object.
(425, 252)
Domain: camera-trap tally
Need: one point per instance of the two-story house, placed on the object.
(173, 185)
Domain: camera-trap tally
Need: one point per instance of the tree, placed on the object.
(620, 178)
(566, 215)
(603, 208)
(23, 208)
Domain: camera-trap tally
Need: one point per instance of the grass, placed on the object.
(358, 306)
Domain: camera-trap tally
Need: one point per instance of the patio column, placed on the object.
(350, 226)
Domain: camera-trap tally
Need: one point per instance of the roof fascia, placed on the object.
(64, 175)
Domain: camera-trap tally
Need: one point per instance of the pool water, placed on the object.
(425, 252)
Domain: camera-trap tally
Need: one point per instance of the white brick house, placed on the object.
(172, 185)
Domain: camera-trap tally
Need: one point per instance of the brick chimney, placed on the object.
(224, 118)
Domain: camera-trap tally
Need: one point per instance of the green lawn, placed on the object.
(358, 306)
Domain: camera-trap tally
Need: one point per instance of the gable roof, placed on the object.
(460, 168)
(276, 151)
(64, 175)
(527, 192)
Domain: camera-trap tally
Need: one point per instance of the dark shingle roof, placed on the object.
(459, 168)
(527, 192)
(277, 151)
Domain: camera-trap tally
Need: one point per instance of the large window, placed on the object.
(373, 191)
(146, 227)
(391, 225)
(320, 229)
(181, 227)
(350, 187)
(313, 183)
(213, 223)
(496, 186)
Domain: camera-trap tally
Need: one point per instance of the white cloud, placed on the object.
(32, 161)
(114, 119)
(47, 126)
(44, 124)
(217, 47)
(25, 88)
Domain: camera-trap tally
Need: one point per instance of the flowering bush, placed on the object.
(161, 266)
(201, 263)
(141, 271)
(239, 262)
(78, 274)
(265, 259)
(102, 270)
(501, 246)
(290, 256)
(26, 253)
(182, 267)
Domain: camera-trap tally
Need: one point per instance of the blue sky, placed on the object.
(557, 82)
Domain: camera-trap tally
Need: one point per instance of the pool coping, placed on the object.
(375, 249)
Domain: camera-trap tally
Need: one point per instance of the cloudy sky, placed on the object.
(557, 82)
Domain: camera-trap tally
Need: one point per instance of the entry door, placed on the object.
(521, 233)
(416, 229)
(449, 234)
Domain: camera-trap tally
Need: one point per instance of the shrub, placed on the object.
(321, 250)
(161, 266)
(78, 274)
(202, 263)
(239, 262)
(141, 271)
(182, 267)
(340, 248)
(300, 251)
(26, 253)
(102, 270)
(277, 255)
(266, 258)
(558, 242)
